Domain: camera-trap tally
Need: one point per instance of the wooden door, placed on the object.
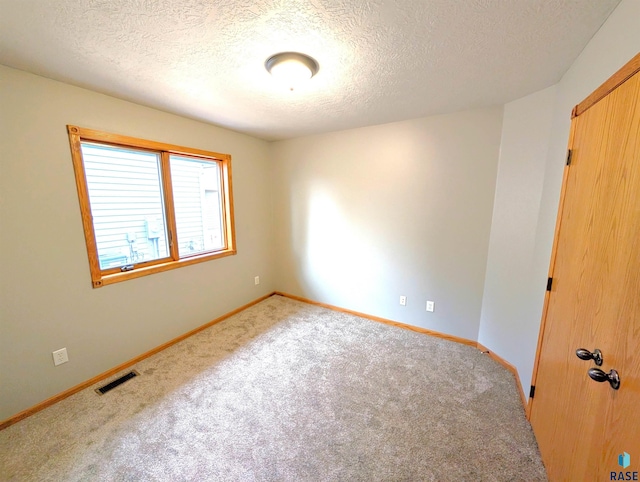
(582, 425)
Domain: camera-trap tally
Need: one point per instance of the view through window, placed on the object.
(149, 206)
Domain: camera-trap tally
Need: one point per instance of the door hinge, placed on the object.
(569, 153)
(532, 391)
(549, 283)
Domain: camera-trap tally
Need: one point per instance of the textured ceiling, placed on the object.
(380, 60)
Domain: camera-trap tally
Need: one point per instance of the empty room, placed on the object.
(320, 240)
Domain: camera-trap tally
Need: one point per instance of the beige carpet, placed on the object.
(293, 392)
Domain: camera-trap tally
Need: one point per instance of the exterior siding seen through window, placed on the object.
(147, 206)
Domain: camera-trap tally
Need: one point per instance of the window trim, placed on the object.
(101, 277)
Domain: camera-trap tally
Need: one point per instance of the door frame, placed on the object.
(611, 84)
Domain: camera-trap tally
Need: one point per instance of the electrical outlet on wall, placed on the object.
(256, 280)
(431, 305)
(60, 356)
(403, 300)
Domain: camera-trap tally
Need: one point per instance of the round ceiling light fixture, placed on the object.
(291, 68)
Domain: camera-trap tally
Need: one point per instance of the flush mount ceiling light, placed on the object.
(291, 68)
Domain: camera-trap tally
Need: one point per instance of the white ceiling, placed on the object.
(380, 60)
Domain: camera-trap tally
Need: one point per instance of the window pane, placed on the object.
(198, 205)
(127, 205)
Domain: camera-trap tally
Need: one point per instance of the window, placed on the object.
(149, 207)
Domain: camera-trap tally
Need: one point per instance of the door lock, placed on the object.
(585, 354)
(599, 376)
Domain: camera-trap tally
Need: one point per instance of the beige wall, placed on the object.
(46, 297)
(366, 215)
(353, 218)
(519, 274)
(508, 324)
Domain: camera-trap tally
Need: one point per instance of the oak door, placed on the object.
(582, 425)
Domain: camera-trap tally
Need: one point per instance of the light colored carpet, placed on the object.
(293, 392)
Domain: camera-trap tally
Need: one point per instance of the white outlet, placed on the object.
(430, 305)
(60, 356)
(403, 300)
(257, 280)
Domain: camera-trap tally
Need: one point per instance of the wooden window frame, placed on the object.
(101, 277)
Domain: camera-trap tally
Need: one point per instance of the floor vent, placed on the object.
(116, 382)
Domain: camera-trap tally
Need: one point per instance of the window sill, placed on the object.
(108, 279)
